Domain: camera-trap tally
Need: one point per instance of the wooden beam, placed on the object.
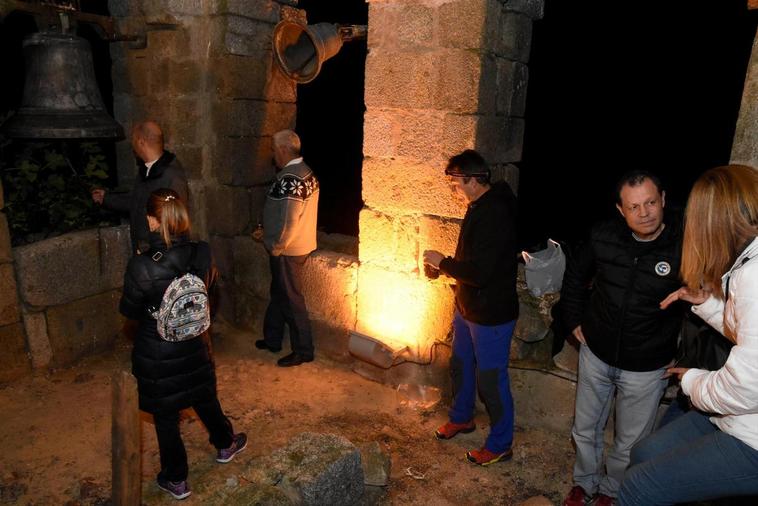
(752, 4)
(126, 454)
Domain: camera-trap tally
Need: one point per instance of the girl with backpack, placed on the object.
(178, 374)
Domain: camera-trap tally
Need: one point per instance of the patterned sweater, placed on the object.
(290, 212)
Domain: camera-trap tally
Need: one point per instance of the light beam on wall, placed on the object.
(402, 310)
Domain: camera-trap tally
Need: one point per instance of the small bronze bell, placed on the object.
(61, 98)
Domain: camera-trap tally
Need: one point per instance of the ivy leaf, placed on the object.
(56, 181)
(55, 160)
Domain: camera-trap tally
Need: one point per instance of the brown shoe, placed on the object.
(450, 429)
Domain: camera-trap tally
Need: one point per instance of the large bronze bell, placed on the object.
(61, 97)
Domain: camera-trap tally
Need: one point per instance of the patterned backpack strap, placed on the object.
(162, 258)
(167, 260)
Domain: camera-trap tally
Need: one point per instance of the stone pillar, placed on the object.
(14, 360)
(441, 76)
(745, 145)
(213, 86)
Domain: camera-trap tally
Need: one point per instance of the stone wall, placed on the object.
(211, 84)
(745, 146)
(59, 297)
(69, 287)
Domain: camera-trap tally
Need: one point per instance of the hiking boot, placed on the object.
(577, 497)
(450, 429)
(603, 500)
(484, 457)
(239, 443)
(178, 489)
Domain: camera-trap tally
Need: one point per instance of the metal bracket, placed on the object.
(352, 32)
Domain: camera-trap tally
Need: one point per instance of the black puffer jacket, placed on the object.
(484, 265)
(621, 319)
(170, 376)
(167, 172)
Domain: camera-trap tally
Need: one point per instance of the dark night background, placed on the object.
(612, 86)
(615, 86)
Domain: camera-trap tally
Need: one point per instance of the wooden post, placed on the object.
(125, 442)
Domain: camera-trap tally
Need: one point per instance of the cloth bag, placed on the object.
(544, 269)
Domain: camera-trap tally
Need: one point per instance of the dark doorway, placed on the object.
(330, 119)
(618, 86)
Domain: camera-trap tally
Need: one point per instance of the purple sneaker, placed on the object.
(178, 489)
(239, 443)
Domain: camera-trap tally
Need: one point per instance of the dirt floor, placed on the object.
(55, 434)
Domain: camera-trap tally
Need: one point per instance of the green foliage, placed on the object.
(45, 193)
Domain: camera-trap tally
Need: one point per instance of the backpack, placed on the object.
(184, 312)
(701, 345)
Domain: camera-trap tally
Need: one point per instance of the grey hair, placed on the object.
(289, 140)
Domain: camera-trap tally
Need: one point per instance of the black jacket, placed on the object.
(620, 317)
(170, 376)
(167, 172)
(484, 265)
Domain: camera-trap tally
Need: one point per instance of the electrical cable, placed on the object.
(564, 376)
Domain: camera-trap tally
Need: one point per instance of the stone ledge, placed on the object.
(72, 266)
(329, 281)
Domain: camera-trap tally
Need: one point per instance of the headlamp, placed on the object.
(457, 172)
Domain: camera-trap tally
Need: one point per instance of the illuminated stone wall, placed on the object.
(441, 77)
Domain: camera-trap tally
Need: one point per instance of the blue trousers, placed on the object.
(481, 353)
(689, 459)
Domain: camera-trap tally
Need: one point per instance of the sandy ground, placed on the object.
(55, 434)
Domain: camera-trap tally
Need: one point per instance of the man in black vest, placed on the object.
(626, 339)
(157, 168)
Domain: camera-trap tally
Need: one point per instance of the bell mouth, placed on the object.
(28, 123)
(61, 98)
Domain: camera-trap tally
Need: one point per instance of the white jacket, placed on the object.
(732, 391)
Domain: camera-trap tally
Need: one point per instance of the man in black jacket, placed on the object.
(157, 168)
(626, 339)
(484, 267)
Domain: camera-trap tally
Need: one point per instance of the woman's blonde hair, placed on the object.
(165, 205)
(721, 218)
